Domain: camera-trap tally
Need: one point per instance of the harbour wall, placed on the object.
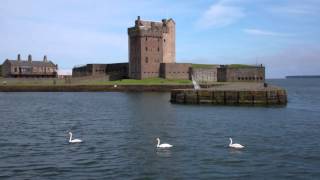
(229, 97)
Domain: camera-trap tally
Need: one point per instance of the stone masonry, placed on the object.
(150, 43)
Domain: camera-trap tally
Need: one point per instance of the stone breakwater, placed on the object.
(251, 94)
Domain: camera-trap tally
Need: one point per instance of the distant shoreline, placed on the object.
(303, 76)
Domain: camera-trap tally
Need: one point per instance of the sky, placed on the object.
(283, 35)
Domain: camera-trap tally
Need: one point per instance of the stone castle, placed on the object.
(150, 44)
(152, 54)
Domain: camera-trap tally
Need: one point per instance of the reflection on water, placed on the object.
(163, 152)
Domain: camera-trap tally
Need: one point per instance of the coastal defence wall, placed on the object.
(229, 97)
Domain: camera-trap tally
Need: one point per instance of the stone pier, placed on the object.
(232, 94)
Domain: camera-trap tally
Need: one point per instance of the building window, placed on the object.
(146, 38)
(164, 40)
(147, 60)
(146, 48)
(15, 69)
(158, 49)
(239, 78)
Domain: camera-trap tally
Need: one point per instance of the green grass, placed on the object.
(202, 66)
(50, 82)
(153, 81)
(240, 66)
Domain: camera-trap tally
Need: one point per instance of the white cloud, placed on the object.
(220, 14)
(260, 32)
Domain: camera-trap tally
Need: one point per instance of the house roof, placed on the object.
(32, 63)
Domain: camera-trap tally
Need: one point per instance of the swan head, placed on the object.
(70, 133)
(158, 139)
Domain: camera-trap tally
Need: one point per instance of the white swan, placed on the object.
(164, 145)
(74, 140)
(236, 145)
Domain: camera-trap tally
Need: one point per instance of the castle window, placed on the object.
(147, 60)
(158, 49)
(164, 40)
(146, 48)
(146, 38)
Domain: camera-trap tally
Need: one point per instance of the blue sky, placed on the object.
(284, 35)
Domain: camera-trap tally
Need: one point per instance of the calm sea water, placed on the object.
(119, 131)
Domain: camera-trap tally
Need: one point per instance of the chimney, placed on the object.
(29, 58)
(19, 57)
(45, 58)
(164, 21)
(138, 22)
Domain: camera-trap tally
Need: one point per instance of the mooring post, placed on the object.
(212, 98)
(267, 100)
(198, 101)
(252, 99)
(238, 97)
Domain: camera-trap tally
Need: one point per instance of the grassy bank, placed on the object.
(83, 81)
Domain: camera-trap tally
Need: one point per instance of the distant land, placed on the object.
(303, 76)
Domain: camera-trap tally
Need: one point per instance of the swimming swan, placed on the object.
(237, 146)
(74, 140)
(164, 145)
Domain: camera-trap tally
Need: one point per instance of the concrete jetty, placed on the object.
(232, 94)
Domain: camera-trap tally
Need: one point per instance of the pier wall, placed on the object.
(229, 97)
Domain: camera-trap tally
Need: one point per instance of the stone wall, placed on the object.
(230, 97)
(29, 68)
(203, 75)
(89, 70)
(175, 70)
(150, 43)
(117, 71)
(241, 74)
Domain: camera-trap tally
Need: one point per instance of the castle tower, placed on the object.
(150, 43)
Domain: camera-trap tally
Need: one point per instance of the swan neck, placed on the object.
(70, 137)
(158, 142)
(230, 141)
